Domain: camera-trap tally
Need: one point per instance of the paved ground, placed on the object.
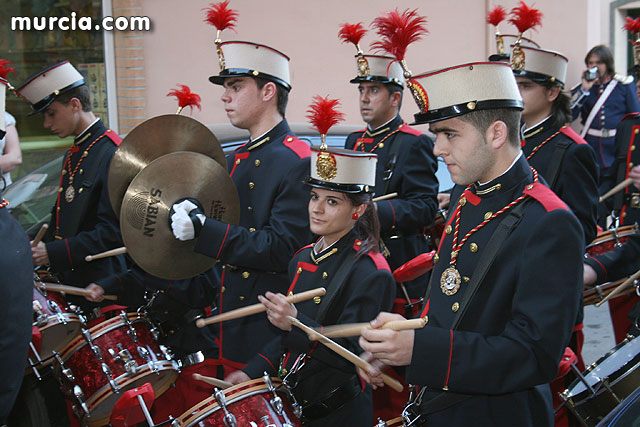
(598, 333)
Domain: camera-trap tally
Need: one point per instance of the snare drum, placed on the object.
(57, 322)
(259, 402)
(610, 380)
(110, 358)
(607, 240)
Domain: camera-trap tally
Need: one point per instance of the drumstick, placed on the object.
(615, 189)
(617, 290)
(112, 252)
(213, 381)
(71, 290)
(258, 308)
(332, 345)
(355, 329)
(384, 197)
(39, 236)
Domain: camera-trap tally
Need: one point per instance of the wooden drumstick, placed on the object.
(615, 189)
(71, 290)
(39, 236)
(384, 197)
(213, 381)
(620, 288)
(258, 308)
(112, 252)
(355, 329)
(332, 345)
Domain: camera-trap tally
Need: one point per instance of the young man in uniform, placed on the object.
(503, 294)
(268, 172)
(406, 165)
(82, 220)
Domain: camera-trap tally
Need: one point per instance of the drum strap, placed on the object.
(334, 287)
(554, 165)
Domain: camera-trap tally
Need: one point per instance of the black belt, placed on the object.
(333, 400)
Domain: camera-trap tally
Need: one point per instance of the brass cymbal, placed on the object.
(154, 138)
(144, 216)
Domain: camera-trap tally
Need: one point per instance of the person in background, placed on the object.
(10, 152)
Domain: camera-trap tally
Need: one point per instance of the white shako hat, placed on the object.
(543, 66)
(461, 89)
(239, 58)
(346, 171)
(509, 40)
(42, 88)
(380, 69)
(3, 92)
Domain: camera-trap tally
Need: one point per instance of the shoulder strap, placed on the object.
(556, 161)
(596, 108)
(391, 164)
(335, 286)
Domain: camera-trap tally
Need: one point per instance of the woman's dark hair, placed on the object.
(561, 106)
(605, 55)
(367, 226)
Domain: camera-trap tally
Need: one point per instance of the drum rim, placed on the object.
(623, 231)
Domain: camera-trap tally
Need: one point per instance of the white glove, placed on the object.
(181, 223)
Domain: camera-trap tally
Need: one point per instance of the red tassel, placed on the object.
(398, 30)
(220, 16)
(185, 97)
(525, 17)
(323, 113)
(351, 33)
(632, 25)
(496, 15)
(6, 68)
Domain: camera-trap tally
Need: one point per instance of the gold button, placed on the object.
(448, 229)
(81, 171)
(473, 247)
(317, 299)
(80, 190)
(64, 171)
(487, 215)
(251, 185)
(630, 164)
(289, 139)
(436, 258)
(237, 161)
(257, 162)
(249, 208)
(624, 214)
(426, 319)
(636, 131)
(284, 371)
(245, 274)
(324, 275)
(241, 297)
(85, 154)
(471, 105)
(358, 243)
(171, 332)
(60, 190)
(299, 270)
(381, 145)
(455, 307)
(529, 187)
(251, 229)
(463, 201)
(255, 72)
(633, 147)
(166, 312)
(290, 293)
(466, 279)
(58, 208)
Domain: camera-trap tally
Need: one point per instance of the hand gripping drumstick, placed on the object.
(332, 345)
(258, 308)
(39, 236)
(616, 291)
(615, 189)
(71, 290)
(112, 252)
(355, 329)
(384, 197)
(213, 381)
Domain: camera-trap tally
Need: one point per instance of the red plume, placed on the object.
(185, 97)
(220, 16)
(525, 17)
(323, 113)
(6, 68)
(398, 30)
(351, 33)
(632, 25)
(496, 15)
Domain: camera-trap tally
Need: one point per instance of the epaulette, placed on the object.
(114, 137)
(630, 116)
(410, 130)
(572, 135)
(625, 80)
(298, 146)
(303, 248)
(545, 196)
(377, 258)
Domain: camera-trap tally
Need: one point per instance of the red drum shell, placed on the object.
(606, 240)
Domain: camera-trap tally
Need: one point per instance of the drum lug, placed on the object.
(166, 352)
(131, 330)
(267, 422)
(94, 348)
(56, 309)
(147, 356)
(107, 373)
(381, 423)
(155, 333)
(229, 419)
(124, 356)
(79, 395)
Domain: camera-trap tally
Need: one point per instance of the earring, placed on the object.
(355, 215)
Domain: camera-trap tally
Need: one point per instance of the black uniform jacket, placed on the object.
(175, 306)
(576, 180)
(514, 329)
(366, 289)
(406, 165)
(274, 224)
(16, 313)
(86, 225)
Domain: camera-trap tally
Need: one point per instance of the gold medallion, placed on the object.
(450, 280)
(69, 194)
(326, 166)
